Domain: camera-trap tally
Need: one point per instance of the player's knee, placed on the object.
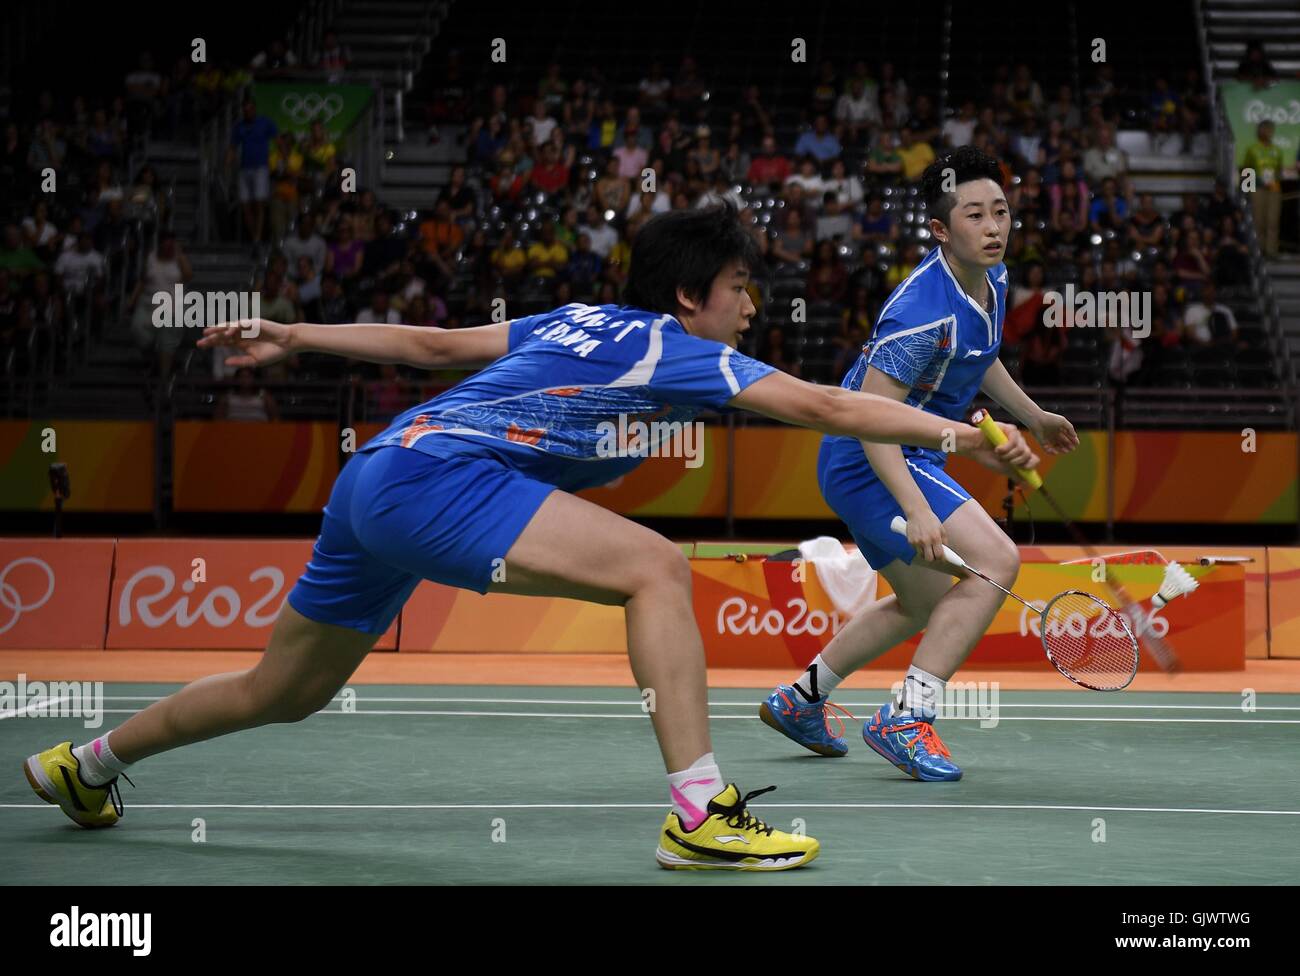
(668, 568)
(1006, 562)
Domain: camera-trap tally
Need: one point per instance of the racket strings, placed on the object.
(1089, 641)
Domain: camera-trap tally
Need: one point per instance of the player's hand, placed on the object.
(1015, 453)
(925, 532)
(260, 342)
(1055, 433)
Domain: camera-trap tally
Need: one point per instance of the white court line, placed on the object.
(646, 715)
(636, 703)
(661, 805)
(44, 703)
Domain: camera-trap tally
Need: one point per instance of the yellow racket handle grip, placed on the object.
(993, 432)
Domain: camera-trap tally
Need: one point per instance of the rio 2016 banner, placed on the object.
(1247, 108)
(294, 106)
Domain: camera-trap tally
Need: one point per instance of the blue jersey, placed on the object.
(937, 340)
(560, 405)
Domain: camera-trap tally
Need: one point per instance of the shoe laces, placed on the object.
(115, 795)
(827, 714)
(926, 737)
(739, 817)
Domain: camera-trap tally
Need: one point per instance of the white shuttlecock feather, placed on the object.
(1177, 582)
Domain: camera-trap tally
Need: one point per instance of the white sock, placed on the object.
(98, 764)
(818, 681)
(920, 695)
(693, 788)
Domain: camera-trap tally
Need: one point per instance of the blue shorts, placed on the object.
(397, 516)
(861, 499)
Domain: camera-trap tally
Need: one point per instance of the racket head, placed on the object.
(1089, 641)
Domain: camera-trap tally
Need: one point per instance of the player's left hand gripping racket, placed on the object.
(1085, 638)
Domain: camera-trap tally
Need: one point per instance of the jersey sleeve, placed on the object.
(904, 351)
(699, 372)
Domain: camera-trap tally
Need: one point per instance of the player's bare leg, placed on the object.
(304, 665)
(576, 549)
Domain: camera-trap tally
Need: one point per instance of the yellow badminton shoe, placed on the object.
(731, 838)
(55, 775)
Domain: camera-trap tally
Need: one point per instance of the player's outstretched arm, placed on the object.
(261, 342)
(1053, 431)
(834, 410)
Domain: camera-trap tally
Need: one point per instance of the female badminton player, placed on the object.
(934, 346)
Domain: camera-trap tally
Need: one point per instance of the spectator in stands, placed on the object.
(1110, 210)
(1147, 227)
(379, 311)
(792, 243)
(735, 163)
(82, 266)
(47, 150)
(893, 86)
(334, 307)
(547, 256)
(775, 351)
(857, 111)
(307, 287)
(1255, 67)
(960, 129)
(285, 163)
(827, 87)
(584, 269)
(809, 178)
(632, 124)
(907, 261)
(603, 236)
(654, 89)
(1029, 199)
(488, 140)
(305, 242)
(827, 279)
(41, 235)
(876, 226)
(924, 120)
(540, 124)
(705, 155)
(1191, 265)
(768, 165)
(1063, 109)
(276, 59)
(364, 215)
(165, 269)
(247, 402)
(1231, 256)
(460, 197)
(251, 140)
(1105, 160)
(16, 256)
(1041, 352)
(440, 235)
(321, 155)
(333, 56)
(688, 87)
(509, 259)
(143, 86)
(847, 189)
(612, 191)
(1264, 160)
(819, 142)
(914, 154)
(345, 256)
(718, 193)
(834, 222)
(387, 251)
(1210, 322)
(1024, 303)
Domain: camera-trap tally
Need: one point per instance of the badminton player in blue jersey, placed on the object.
(486, 472)
(935, 345)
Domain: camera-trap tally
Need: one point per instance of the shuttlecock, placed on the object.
(1177, 582)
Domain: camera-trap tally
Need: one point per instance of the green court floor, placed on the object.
(413, 786)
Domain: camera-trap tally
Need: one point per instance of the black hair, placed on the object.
(685, 249)
(967, 163)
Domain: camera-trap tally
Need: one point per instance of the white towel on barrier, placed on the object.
(847, 577)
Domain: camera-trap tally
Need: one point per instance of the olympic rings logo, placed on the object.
(311, 106)
(12, 601)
